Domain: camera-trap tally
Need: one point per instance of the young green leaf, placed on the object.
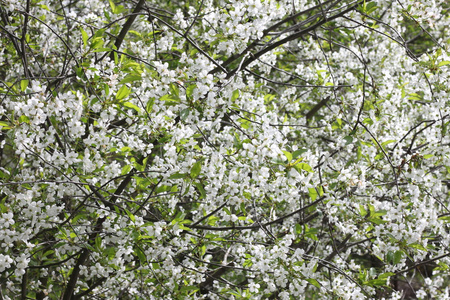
(313, 193)
(141, 255)
(131, 78)
(303, 166)
(84, 36)
(123, 92)
(298, 152)
(314, 282)
(132, 106)
(23, 85)
(288, 155)
(234, 95)
(196, 169)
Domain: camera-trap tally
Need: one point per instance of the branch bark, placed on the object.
(127, 27)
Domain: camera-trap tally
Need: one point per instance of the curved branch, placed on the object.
(255, 226)
(127, 26)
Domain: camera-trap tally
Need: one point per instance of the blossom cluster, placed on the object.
(255, 149)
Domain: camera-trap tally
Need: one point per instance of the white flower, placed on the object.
(5, 262)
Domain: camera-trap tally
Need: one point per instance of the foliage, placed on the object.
(224, 149)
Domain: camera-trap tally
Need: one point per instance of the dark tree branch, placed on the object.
(316, 108)
(127, 26)
(292, 37)
(22, 41)
(68, 293)
(255, 226)
(23, 291)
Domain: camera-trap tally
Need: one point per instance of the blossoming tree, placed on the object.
(224, 149)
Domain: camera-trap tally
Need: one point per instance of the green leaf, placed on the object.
(102, 50)
(141, 255)
(379, 156)
(3, 208)
(177, 176)
(135, 32)
(298, 152)
(212, 220)
(130, 78)
(47, 253)
(320, 190)
(123, 92)
(97, 43)
(313, 282)
(170, 99)
(174, 90)
(116, 56)
(387, 142)
(24, 119)
(84, 36)
(184, 114)
(415, 96)
(138, 166)
(126, 169)
(182, 227)
(43, 6)
(358, 152)
(130, 215)
(374, 216)
(418, 246)
(189, 288)
(268, 98)
(98, 243)
(362, 210)
(24, 85)
(397, 257)
(116, 9)
(125, 149)
(196, 169)
(386, 275)
(311, 233)
(443, 63)
(119, 9)
(297, 161)
(381, 280)
(201, 189)
(5, 125)
(190, 90)
(379, 213)
(132, 106)
(313, 193)
(288, 155)
(303, 166)
(371, 7)
(149, 106)
(376, 282)
(368, 121)
(244, 123)
(348, 139)
(113, 6)
(234, 95)
(314, 269)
